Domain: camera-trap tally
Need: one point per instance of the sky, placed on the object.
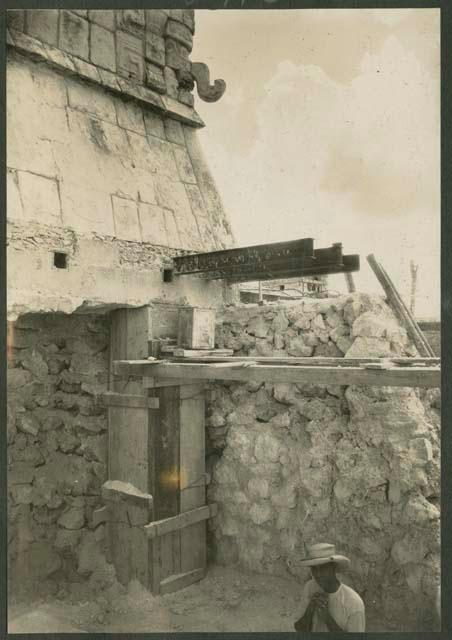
(330, 128)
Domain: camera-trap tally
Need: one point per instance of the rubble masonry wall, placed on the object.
(57, 448)
(355, 466)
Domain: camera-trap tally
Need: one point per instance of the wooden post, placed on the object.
(350, 282)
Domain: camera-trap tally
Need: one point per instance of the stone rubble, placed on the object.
(356, 466)
(57, 447)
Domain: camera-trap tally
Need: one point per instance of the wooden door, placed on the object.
(156, 445)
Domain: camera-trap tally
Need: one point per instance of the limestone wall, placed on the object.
(103, 161)
(56, 450)
(356, 466)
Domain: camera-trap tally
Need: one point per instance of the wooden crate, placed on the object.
(196, 329)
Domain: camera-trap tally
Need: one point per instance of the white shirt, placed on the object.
(344, 605)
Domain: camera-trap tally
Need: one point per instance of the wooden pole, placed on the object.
(400, 309)
(413, 269)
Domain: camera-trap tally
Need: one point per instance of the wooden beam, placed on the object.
(400, 309)
(113, 399)
(181, 580)
(118, 491)
(168, 525)
(310, 361)
(398, 376)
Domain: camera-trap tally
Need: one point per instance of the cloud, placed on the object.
(354, 161)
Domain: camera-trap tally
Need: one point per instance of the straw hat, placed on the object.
(322, 553)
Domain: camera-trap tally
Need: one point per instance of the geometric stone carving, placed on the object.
(130, 57)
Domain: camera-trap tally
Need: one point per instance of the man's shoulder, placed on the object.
(352, 598)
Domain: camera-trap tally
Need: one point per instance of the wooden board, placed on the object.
(161, 528)
(128, 442)
(192, 464)
(426, 377)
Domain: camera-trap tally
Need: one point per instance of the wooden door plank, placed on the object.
(128, 429)
(166, 453)
(192, 461)
(161, 528)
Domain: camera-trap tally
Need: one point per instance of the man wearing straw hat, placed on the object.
(328, 604)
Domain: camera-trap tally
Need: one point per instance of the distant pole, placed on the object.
(350, 282)
(261, 299)
(413, 268)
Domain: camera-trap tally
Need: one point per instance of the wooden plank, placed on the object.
(128, 455)
(177, 582)
(155, 383)
(192, 463)
(163, 527)
(117, 491)
(166, 452)
(427, 377)
(399, 307)
(178, 352)
(155, 577)
(310, 361)
(114, 399)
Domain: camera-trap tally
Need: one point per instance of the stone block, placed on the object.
(174, 131)
(74, 34)
(180, 33)
(171, 81)
(102, 51)
(156, 21)
(260, 513)
(15, 18)
(197, 203)
(298, 348)
(129, 56)
(35, 363)
(154, 124)
(125, 215)
(421, 451)
(86, 70)
(81, 12)
(13, 202)
(105, 19)
(412, 548)
(174, 239)
(186, 98)
(189, 19)
(155, 49)
(130, 116)
(374, 347)
(40, 197)
(155, 78)
(177, 14)
(22, 493)
(152, 219)
(43, 25)
(177, 55)
(132, 20)
(87, 99)
(184, 166)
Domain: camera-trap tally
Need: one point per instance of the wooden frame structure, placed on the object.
(397, 372)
